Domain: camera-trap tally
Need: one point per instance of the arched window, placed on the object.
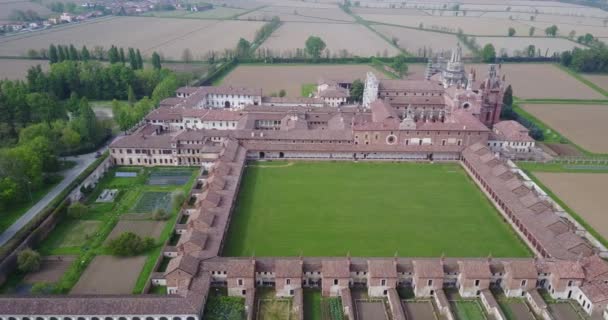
(67, 318)
(81, 318)
(149, 318)
(39, 318)
(94, 318)
(122, 318)
(52, 318)
(135, 318)
(25, 318)
(190, 318)
(163, 318)
(109, 318)
(177, 318)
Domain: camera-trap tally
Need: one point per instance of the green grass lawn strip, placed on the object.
(312, 304)
(367, 209)
(308, 89)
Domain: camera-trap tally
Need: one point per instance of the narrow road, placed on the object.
(82, 162)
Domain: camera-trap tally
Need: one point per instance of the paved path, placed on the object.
(82, 162)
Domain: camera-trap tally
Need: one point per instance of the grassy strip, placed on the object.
(556, 167)
(380, 68)
(564, 206)
(562, 101)
(583, 80)
(12, 214)
(234, 17)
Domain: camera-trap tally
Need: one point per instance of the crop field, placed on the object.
(16, 69)
(215, 13)
(297, 14)
(354, 38)
(564, 29)
(72, 234)
(468, 310)
(540, 81)
(518, 45)
(273, 78)
(152, 200)
(169, 37)
(367, 209)
(416, 41)
(469, 25)
(600, 80)
(585, 193)
(582, 124)
(110, 275)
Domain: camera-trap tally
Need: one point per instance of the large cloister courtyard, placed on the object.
(366, 209)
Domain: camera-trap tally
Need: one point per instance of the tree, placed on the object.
(511, 32)
(531, 32)
(160, 214)
(156, 63)
(282, 93)
(129, 244)
(28, 260)
(84, 54)
(356, 90)
(73, 53)
(243, 48)
(132, 59)
(53, 57)
(187, 55)
(551, 31)
(314, 46)
(131, 95)
(488, 53)
(77, 210)
(61, 55)
(121, 55)
(507, 99)
(113, 55)
(177, 198)
(399, 65)
(566, 58)
(531, 51)
(140, 61)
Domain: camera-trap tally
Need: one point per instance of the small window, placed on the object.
(477, 283)
(335, 282)
(287, 281)
(430, 282)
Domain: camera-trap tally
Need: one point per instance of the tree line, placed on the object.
(592, 59)
(49, 115)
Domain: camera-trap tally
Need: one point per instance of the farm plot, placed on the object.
(110, 275)
(598, 79)
(540, 81)
(165, 177)
(170, 37)
(70, 234)
(16, 69)
(152, 200)
(469, 25)
(585, 193)
(51, 270)
(386, 11)
(270, 309)
(292, 77)
(294, 14)
(353, 39)
(419, 310)
(515, 46)
(152, 229)
(564, 311)
(582, 124)
(468, 310)
(418, 42)
(564, 29)
(370, 310)
(216, 13)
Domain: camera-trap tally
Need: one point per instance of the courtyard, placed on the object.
(366, 209)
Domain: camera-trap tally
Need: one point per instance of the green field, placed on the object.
(367, 209)
(468, 310)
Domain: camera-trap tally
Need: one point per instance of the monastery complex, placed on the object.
(452, 116)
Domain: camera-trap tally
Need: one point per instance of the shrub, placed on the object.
(28, 260)
(76, 210)
(177, 198)
(42, 288)
(130, 244)
(160, 214)
(225, 308)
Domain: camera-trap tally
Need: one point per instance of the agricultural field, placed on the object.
(518, 46)
(292, 77)
(469, 25)
(431, 205)
(297, 14)
(354, 38)
(584, 193)
(540, 81)
(16, 69)
(417, 42)
(582, 124)
(600, 80)
(468, 310)
(83, 239)
(110, 275)
(169, 37)
(215, 13)
(7, 7)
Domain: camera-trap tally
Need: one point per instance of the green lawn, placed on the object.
(308, 89)
(312, 304)
(468, 310)
(367, 209)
